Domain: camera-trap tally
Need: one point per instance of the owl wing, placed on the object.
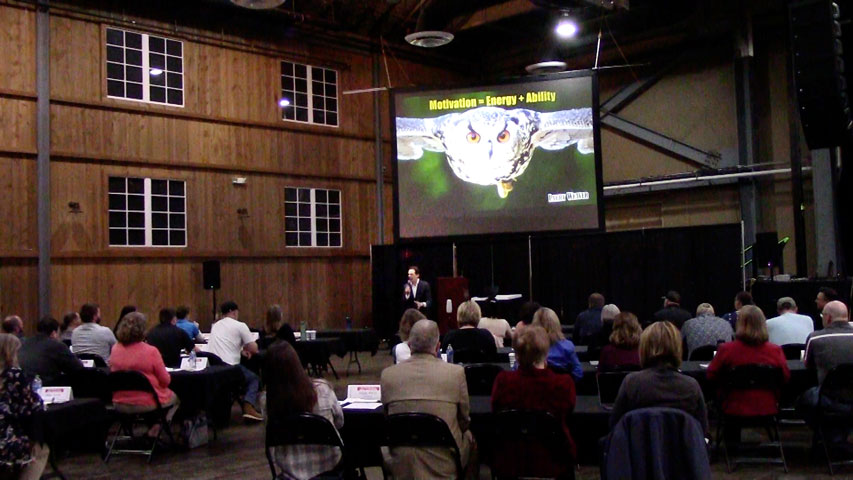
(558, 130)
(414, 135)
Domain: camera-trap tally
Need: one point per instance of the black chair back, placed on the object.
(520, 439)
(99, 361)
(793, 351)
(608, 386)
(133, 381)
(469, 355)
(300, 429)
(838, 384)
(421, 430)
(91, 383)
(212, 358)
(481, 377)
(703, 353)
(754, 377)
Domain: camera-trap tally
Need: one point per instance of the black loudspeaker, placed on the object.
(817, 47)
(767, 250)
(210, 275)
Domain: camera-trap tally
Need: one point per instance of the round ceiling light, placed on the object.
(542, 68)
(258, 4)
(429, 38)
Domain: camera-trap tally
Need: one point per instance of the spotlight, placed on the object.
(283, 102)
(566, 28)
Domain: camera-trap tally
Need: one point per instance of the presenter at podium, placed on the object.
(416, 292)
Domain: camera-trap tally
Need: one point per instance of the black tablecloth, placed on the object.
(354, 340)
(81, 423)
(317, 352)
(213, 390)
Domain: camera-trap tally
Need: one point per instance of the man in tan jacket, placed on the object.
(427, 384)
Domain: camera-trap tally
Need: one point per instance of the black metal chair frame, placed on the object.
(99, 361)
(420, 430)
(793, 351)
(533, 427)
(750, 377)
(705, 352)
(303, 429)
(469, 355)
(840, 378)
(480, 377)
(136, 381)
(608, 379)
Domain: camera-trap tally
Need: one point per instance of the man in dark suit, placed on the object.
(672, 311)
(416, 292)
(44, 355)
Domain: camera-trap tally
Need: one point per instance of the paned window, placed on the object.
(312, 217)
(309, 94)
(147, 212)
(145, 68)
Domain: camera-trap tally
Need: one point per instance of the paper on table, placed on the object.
(362, 406)
(704, 365)
(363, 393)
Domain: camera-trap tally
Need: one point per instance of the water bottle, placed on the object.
(450, 354)
(512, 360)
(37, 385)
(192, 359)
(349, 323)
(303, 327)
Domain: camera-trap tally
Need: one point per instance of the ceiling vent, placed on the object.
(543, 68)
(258, 4)
(429, 38)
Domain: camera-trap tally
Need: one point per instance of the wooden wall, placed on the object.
(230, 125)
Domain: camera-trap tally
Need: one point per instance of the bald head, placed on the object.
(834, 311)
(423, 338)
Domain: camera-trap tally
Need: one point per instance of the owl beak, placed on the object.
(504, 188)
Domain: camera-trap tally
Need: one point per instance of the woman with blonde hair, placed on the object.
(622, 351)
(561, 354)
(402, 352)
(275, 328)
(19, 456)
(660, 384)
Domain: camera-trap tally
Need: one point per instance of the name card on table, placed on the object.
(88, 363)
(200, 364)
(55, 394)
(363, 393)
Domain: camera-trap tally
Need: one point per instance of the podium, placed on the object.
(454, 289)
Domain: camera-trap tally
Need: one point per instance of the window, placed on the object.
(144, 68)
(312, 217)
(147, 212)
(312, 93)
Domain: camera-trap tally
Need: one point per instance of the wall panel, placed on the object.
(19, 290)
(18, 35)
(18, 205)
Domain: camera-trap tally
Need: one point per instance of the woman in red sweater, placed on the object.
(131, 353)
(623, 351)
(535, 387)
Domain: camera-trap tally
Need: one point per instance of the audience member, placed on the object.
(468, 336)
(525, 315)
(90, 337)
(290, 392)
(534, 387)
(741, 299)
(622, 352)
(824, 296)
(588, 322)
(660, 384)
(44, 355)
(131, 353)
(608, 314)
(124, 311)
(705, 329)
(13, 325)
(229, 339)
(672, 311)
(426, 384)
(789, 326)
(187, 325)
(70, 321)
(498, 327)
(561, 355)
(20, 457)
(169, 339)
(276, 329)
(402, 352)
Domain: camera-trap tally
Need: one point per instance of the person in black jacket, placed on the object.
(44, 355)
(169, 339)
(672, 311)
(468, 336)
(416, 292)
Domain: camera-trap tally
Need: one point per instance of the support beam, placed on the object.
(668, 144)
(747, 138)
(796, 153)
(377, 147)
(43, 144)
(629, 93)
(824, 207)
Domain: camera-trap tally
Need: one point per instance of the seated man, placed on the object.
(705, 329)
(90, 337)
(169, 339)
(588, 322)
(789, 327)
(229, 339)
(184, 323)
(13, 325)
(426, 384)
(44, 355)
(671, 311)
(468, 336)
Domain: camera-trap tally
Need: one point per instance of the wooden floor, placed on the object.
(238, 451)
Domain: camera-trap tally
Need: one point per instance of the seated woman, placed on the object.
(290, 391)
(70, 321)
(132, 353)
(660, 384)
(468, 337)
(622, 352)
(534, 387)
(19, 457)
(561, 355)
(498, 327)
(749, 347)
(275, 329)
(402, 352)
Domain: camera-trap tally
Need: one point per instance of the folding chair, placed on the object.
(481, 377)
(136, 382)
(703, 353)
(529, 443)
(469, 355)
(303, 429)
(793, 351)
(837, 387)
(99, 361)
(420, 430)
(608, 386)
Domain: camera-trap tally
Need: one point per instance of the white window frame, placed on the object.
(146, 83)
(149, 228)
(313, 217)
(309, 78)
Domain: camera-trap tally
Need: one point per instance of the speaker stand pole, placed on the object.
(213, 291)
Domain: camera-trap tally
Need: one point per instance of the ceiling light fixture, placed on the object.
(544, 68)
(566, 27)
(155, 72)
(429, 38)
(283, 102)
(258, 4)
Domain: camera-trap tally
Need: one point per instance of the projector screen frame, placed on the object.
(599, 186)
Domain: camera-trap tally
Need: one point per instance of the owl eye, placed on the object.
(503, 137)
(473, 137)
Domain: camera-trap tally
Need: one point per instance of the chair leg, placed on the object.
(779, 440)
(825, 448)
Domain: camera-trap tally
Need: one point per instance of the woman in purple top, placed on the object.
(623, 350)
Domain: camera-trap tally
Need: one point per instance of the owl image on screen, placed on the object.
(494, 145)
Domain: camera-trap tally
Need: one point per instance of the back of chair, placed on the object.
(299, 429)
(421, 430)
(99, 361)
(705, 352)
(838, 384)
(608, 386)
(469, 355)
(481, 377)
(212, 358)
(754, 377)
(529, 443)
(132, 381)
(793, 351)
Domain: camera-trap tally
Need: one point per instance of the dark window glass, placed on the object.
(304, 210)
(159, 80)
(135, 185)
(286, 68)
(134, 90)
(331, 105)
(322, 225)
(176, 97)
(304, 194)
(115, 88)
(318, 102)
(133, 40)
(157, 61)
(305, 239)
(334, 211)
(291, 224)
(176, 204)
(115, 71)
(118, 202)
(331, 119)
(300, 70)
(177, 237)
(115, 54)
(157, 44)
(158, 94)
(118, 236)
(159, 237)
(176, 187)
(174, 47)
(158, 187)
(302, 114)
(290, 209)
(118, 219)
(316, 88)
(317, 73)
(116, 185)
(304, 224)
(319, 116)
(291, 239)
(158, 204)
(289, 194)
(136, 220)
(331, 76)
(136, 202)
(133, 57)
(287, 84)
(334, 225)
(321, 210)
(176, 220)
(288, 113)
(301, 85)
(322, 239)
(334, 196)
(331, 91)
(175, 80)
(301, 100)
(320, 195)
(136, 237)
(115, 37)
(159, 220)
(334, 239)
(174, 64)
